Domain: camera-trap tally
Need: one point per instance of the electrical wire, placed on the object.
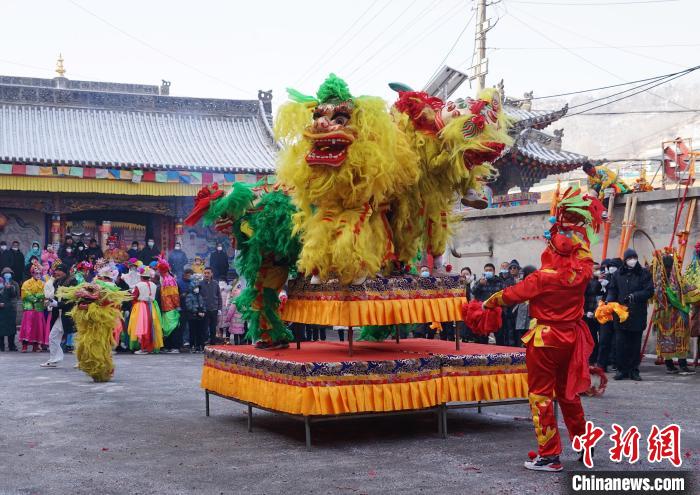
(395, 56)
(655, 78)
(320, 59)
(158, 50)
(459, 36)
(611, 46)
(588, 4)
(586, 47)
(651, 84)
(641, 112)
(369, 45)
(630, 95)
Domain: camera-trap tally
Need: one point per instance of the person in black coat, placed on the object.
(484, 287)
(134, 251)
(93, 252)
(219, 262)
(594, 291)
(149, 253)
(632, 286)
(4, 255)
(17, 261)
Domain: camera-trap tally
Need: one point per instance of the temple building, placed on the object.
(534, 155)
(95, 159)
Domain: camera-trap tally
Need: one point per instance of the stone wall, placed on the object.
(517, 232)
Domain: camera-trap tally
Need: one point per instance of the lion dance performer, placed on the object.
(258, 217)
(95, 311)
(558, 342)
(456, 142)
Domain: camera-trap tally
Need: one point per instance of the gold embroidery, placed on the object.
(539, 405)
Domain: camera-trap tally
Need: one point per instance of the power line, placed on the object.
(591, 47)
(638, 112)
(633, 94)
(379, 35)
(588, 4)
(158, 50)
(655, 78)
(659, 81)
(403, 50)
(315, 65)
(609, 46)
(459, 36)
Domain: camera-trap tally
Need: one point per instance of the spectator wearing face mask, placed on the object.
(134, 251)
(79, 252)
(196, 310)
(149, 253)
(483, 288)
(219, 262)
(16, 262)
(67, 243)
(69, 257)
(177, 259)
(9, 292)
(34, 252)
(4, 255)
(632, 286)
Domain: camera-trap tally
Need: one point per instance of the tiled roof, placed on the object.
(538, 119)
(546, 150)
(40, 125)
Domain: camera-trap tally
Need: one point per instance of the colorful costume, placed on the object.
(34, 328)
(145, 327)
(456, 142)
(96, 308)
(169, 298)
(601, 178)
(558, 342)
(259, 218)
(670, 316)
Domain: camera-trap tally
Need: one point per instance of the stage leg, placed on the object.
(458, 340)
(250, 418)
(398, 334)
(444, 422)
(206, 401)
(349, 341)
(478, 408)
(307, 430)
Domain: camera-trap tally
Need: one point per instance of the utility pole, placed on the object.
(480, 68)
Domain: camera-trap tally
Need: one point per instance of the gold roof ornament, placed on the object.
(59, 66)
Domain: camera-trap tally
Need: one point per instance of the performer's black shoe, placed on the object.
(635, 376)
(671, 369)
(550, 464)
(620, 375)
(686, 371)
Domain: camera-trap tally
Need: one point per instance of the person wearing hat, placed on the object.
(33, 329)
(60, 323)
(93, 251)
(9, 290)
(631, 286)
(145, 330)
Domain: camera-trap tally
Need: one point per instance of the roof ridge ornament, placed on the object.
(60, 70)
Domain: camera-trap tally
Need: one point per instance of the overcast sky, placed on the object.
(230, 49)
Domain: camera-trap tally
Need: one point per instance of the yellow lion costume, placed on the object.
(346, 161)
(95, 311)
(372, 187)
(456, 143)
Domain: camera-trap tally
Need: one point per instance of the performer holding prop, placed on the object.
(558, 342)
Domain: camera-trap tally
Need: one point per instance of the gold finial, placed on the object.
(59, 66)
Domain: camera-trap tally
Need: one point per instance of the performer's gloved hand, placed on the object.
(589, 314)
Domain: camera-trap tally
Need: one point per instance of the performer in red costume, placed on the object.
(558, 342)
